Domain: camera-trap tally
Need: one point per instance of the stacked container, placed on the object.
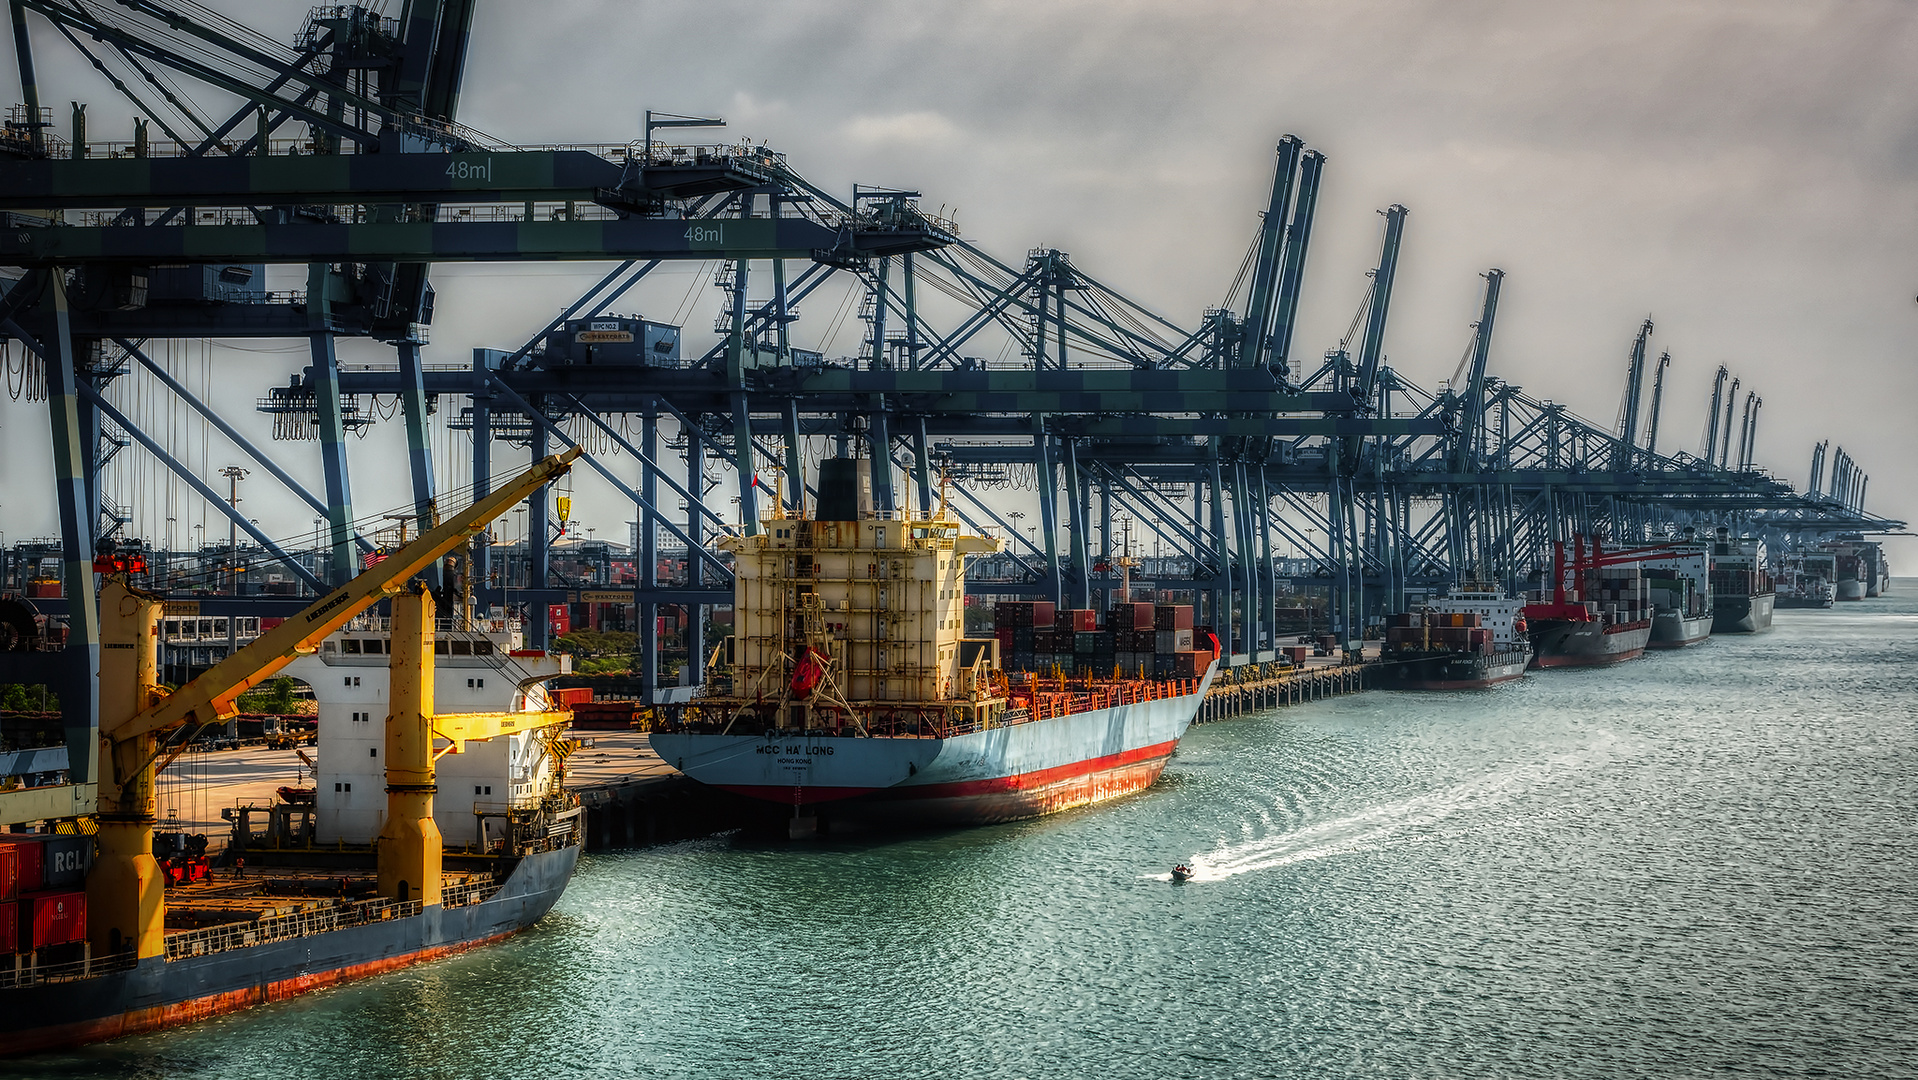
(1017, 624)
(1622, 593)
(1437, 632)
(42, 890)
(9, 893)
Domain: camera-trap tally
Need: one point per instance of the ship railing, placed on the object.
(242, 935)
(472, 892)
(31, 975)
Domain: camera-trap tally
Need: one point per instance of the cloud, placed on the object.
(1746, 173)
(907, 130)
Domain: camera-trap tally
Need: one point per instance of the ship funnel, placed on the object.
(845, 489)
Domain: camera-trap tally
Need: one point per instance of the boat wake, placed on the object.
(1395, 822)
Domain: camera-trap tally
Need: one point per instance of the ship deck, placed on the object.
(230, 896)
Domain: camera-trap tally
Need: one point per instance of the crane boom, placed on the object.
(1297, 237)
(1258, 309)
(1634, 387)
(212, 695)
(1374, 343)
(1658, 399)
(1471, 417)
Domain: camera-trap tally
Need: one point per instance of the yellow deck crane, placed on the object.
(125, 900)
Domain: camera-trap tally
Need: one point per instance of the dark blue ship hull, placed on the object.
(159, 993)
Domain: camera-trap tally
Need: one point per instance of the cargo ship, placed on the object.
(1855, 563)
(850, 693)
(121, 931)
(1807, 580)
(1874, 568)
(1742, 596)
(1884, 572)
(1679, 583)
(1594, 611)
(1469, 639)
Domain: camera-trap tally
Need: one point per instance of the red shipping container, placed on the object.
(560, 618)
(54, 918)
(9, 873)
(9, 927)
(30, 872)
(1131, 616)
(566, 699)
(1077, 620)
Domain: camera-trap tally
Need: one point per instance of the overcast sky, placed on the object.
(1746, 174)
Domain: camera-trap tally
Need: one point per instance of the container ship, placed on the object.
(1807, 580)
(849, 691)
(1742, 596)
(1862, 569)
(1594, 613)
(1469, 639)
(1878, 582)
(107, 929)
(1875, 569)
(1678, 577)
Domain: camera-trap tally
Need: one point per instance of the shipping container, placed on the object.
(1076, 620)
(1297, 654)
(1130, 616)
(9, 873)
(9, 928)
(1022, 613)
(65, 861)
(1172, 617)
(30, 873)
(52, 918)
(1171, 641)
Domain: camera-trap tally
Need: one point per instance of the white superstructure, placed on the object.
(481, 669)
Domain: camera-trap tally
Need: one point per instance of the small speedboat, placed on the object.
(1181, 872)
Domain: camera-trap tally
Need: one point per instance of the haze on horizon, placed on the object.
(1744, 174)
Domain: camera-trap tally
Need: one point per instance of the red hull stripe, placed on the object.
(998, 785)
(189, 1012)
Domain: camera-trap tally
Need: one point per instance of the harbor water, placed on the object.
(1703, 862)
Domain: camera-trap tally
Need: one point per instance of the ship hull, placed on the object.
(1454, 670)
(1851, 589)
(160, 994)
(1588, 644)
(998, 774)
(1742, 614)
(1673, 630)
(1784, 601)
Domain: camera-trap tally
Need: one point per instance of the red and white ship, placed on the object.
(853, 695)
(1598, 610)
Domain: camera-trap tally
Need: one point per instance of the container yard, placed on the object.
(987, 556)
